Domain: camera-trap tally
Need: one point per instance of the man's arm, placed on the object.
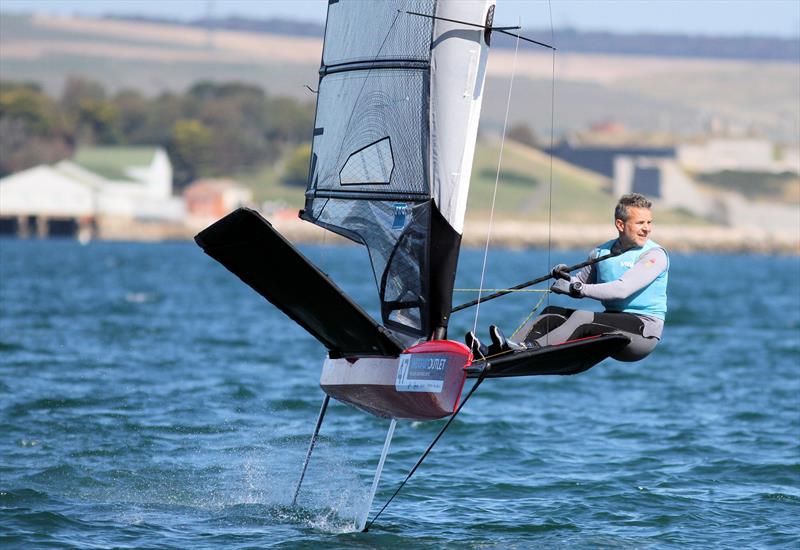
(649, 266)
(588, 274)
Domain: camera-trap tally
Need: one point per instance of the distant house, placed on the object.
(112, 185)
(210, 199)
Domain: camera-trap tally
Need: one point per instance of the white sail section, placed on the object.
(458, 71)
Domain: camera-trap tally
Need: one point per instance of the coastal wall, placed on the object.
(507, 234)
(513, 234)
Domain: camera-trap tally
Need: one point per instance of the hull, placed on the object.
(423, 383)
(571, 357)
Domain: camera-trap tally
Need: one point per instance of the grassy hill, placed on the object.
(523, 192)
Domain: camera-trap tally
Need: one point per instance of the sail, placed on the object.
(399, 99)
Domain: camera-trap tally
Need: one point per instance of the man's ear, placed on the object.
(620, 225)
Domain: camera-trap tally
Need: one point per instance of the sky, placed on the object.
(774, 18)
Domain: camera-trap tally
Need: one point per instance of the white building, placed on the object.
(46, 191)
(117, 184)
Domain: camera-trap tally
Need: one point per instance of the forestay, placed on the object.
(396, 121)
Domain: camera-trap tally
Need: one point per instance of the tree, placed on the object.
(132, 110)
(78, 89)
(289, 120)
(212, 128)
(96, 121)
(523, 134)
(27, 103)
(295, 172)
(190, 150)
(163, 113)
(31, 129)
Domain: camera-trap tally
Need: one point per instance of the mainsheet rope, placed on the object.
(480, 379)
(501, 289)
(496, 181)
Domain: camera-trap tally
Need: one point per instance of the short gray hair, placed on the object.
(630, 200)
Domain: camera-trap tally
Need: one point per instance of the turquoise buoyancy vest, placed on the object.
(651, 300)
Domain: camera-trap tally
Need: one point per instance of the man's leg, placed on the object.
(549, 319)
(556, 325)
(631, 326)
(639, 348)
(582, 324)
(571, 328)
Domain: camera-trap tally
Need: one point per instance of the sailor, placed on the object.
(631, 286)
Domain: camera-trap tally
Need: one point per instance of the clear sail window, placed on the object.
(372, 164)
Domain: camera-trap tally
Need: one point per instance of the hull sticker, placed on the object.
(421, 373)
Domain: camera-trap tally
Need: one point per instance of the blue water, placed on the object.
(149, 399)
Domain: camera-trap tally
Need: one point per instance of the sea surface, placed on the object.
(149, 399)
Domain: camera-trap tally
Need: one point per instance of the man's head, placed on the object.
(633, 219)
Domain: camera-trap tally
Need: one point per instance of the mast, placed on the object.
(458, 71)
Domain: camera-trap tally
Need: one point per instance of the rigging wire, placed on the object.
(552, 131)
(490, 28)
(324, 260)
(532, 313)
(496, 181)
(480, 379)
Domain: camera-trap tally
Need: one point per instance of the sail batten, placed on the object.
(368, 65)
(392, 146)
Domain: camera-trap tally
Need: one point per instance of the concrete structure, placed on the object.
(99, 186)
(662, 179)
(667, 182)
(600, 159)
(738, 154)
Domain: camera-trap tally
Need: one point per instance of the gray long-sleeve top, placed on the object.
(646, 269)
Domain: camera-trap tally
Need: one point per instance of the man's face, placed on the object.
(636, 230)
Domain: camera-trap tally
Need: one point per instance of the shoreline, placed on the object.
(505, 234)
(519, 235)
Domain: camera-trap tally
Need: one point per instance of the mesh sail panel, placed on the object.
(369, 31)
(370, 174)
(371, 124)
(397, 236)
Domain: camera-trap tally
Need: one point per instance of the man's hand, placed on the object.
(560, 272)
(573, 289)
